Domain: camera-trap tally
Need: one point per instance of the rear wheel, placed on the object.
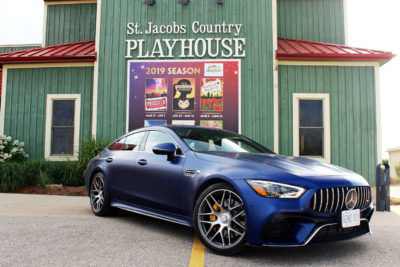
(99, 198)
(220, 219)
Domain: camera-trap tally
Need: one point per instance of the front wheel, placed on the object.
(220, 219)
(99, 198)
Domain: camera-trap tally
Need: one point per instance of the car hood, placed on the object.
(278, 165)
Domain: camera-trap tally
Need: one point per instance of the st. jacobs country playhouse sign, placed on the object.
(231, 46)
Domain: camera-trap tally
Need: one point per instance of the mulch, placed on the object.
(52, 190)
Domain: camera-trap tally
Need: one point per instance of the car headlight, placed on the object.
(276, 190)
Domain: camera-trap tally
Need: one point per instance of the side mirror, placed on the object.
(165, 149)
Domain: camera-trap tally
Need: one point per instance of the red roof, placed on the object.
(1, 82)
(78, 52)
(311, 50)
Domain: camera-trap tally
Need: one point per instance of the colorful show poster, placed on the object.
(212, 94)
(156, 94)
(212, 124)
(184, 93)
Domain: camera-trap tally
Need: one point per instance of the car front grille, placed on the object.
(332, 199)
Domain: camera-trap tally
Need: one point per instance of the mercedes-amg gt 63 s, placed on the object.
(231, 189)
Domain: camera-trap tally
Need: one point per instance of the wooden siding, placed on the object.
(352, 112)
(257, 69)
(70, 23)
(314, 20)
(25, 113)
(5, 49)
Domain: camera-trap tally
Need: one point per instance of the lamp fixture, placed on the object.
(148, 2)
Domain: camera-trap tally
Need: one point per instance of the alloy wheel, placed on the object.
(97, 193)
(222, 219)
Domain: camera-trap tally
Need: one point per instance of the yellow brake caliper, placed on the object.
(213, 218)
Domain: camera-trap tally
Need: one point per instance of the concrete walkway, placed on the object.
(45, 206)
(395, 191)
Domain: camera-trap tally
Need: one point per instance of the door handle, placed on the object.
(142, 162)
(109, 160)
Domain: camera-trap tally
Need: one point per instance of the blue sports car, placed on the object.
(231, 189)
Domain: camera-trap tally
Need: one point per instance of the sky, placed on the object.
(371, 24)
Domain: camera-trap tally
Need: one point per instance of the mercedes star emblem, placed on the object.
(351, 199)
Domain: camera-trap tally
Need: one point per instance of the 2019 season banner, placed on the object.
(198, 92)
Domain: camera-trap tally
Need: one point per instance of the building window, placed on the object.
(62, 127)
(311, 126)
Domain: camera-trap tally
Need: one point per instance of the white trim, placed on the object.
(3, 100)
(194, 60)
(275, 75)
(44, 25)
(328, 63)
(346, 28)
(20, 45)
(326, 123)
(71, 2)
(96, 72)
(77, 118)
(378, 115)
(393, 149)
(48, 65)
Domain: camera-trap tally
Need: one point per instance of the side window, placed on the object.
(117, 145)
(311, 126)
(62, 126)
(156, 138)
(133, 141)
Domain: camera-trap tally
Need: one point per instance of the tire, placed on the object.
(220, 219)
(99, 196)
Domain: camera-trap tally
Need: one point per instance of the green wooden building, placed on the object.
(302, 90)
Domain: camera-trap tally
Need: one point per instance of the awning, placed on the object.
(294, 49)
(74, 52)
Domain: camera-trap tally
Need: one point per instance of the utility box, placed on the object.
(383, 187)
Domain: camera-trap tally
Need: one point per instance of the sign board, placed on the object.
(189, 92)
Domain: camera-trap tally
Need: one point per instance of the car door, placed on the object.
(160, 182)
(121, 165)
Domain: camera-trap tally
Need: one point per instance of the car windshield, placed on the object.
(211, 140)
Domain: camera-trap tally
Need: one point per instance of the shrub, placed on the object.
(397, 169)
(14, 175)
(88, 150)
(11, 151)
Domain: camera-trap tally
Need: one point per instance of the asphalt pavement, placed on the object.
(39, 230)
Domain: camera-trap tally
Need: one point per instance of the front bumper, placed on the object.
(293, 229)
(292, 222)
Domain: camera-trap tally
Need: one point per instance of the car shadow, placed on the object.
(314, 254)
(156, 225)
(320, 253)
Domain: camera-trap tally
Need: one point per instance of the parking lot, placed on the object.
(43, 230)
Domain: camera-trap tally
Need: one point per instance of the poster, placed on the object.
(193, 92)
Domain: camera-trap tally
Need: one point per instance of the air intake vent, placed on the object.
(333, 199)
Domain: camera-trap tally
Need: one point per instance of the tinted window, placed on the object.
(133, 141)
(62, 128)
(311, 130)
(208, 140)
(156, 138)
(117, 145)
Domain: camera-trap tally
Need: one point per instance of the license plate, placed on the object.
(350, 218)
